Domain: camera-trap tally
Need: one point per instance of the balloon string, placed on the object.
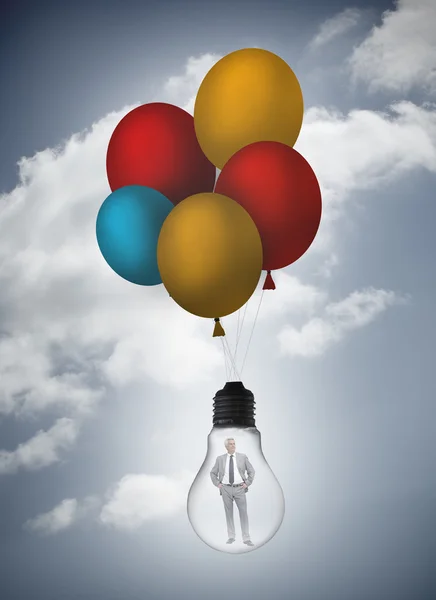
(239, 330)
(234, 371)
(237, 333)
(226, 366)
(231, 358)
(243, 319)
(228, 353)
(252, 330)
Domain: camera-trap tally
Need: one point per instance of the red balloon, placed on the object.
(280, 191)
(155, 145)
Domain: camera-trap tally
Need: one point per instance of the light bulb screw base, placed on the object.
(234, 406)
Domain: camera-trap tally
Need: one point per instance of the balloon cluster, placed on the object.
(168, 220)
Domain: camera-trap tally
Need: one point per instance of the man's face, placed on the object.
(231, 446)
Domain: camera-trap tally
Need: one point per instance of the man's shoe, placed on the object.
(249, 543)
(230, 541)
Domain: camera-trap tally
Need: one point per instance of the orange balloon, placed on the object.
(209, 255)
(250, 95)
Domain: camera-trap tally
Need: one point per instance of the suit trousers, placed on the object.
(238, 495)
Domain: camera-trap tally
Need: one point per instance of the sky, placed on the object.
(106, 387)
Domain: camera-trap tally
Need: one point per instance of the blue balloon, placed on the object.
(128, 227)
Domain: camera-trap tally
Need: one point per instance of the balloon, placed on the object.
(128, 226)
(248, 96)
(209, 255)
(155, 145)
(279, 189)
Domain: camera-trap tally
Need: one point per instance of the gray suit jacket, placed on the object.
(242, 463)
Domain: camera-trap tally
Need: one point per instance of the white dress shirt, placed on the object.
(235, 470)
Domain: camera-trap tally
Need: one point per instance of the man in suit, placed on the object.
(233, 484)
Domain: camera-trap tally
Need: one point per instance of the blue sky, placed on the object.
(106, 388)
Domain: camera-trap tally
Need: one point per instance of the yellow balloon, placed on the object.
(250, 95)
(209, 255)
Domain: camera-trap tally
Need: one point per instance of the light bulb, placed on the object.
(250, 514)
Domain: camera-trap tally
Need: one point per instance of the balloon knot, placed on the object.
(269, 282)
(218, 330)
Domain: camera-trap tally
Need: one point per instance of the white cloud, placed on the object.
(335, 26)
(291, 297)
(182, 89)
(29, 380)
(328, 265)
(69, 325)
(133, 501)
(400, 53)
(42, 449)
(364, 150)
(138, 498)
(63, 516)
(354, 312)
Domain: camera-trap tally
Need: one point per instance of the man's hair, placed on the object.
(227, 440)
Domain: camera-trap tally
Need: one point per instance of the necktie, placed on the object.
(231, 470)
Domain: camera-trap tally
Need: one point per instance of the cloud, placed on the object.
(32, 382)
(399, 54)
(138, 498)
(364, 150)
(62, 517)
(133, 501)
(335, 26)
(328, 265)
(69, 326)
(323, 323)
(291, 297)
(42, 449)
(182, 89)
(354, 312)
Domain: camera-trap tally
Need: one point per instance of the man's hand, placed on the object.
(220, 485)
(244, 485)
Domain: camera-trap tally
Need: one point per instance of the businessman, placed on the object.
(228, 474)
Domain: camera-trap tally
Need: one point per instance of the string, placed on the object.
(252, 330)
(233, 362)
(239, 331)
(225, 359)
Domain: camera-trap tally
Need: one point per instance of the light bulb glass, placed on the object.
(264, 499)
